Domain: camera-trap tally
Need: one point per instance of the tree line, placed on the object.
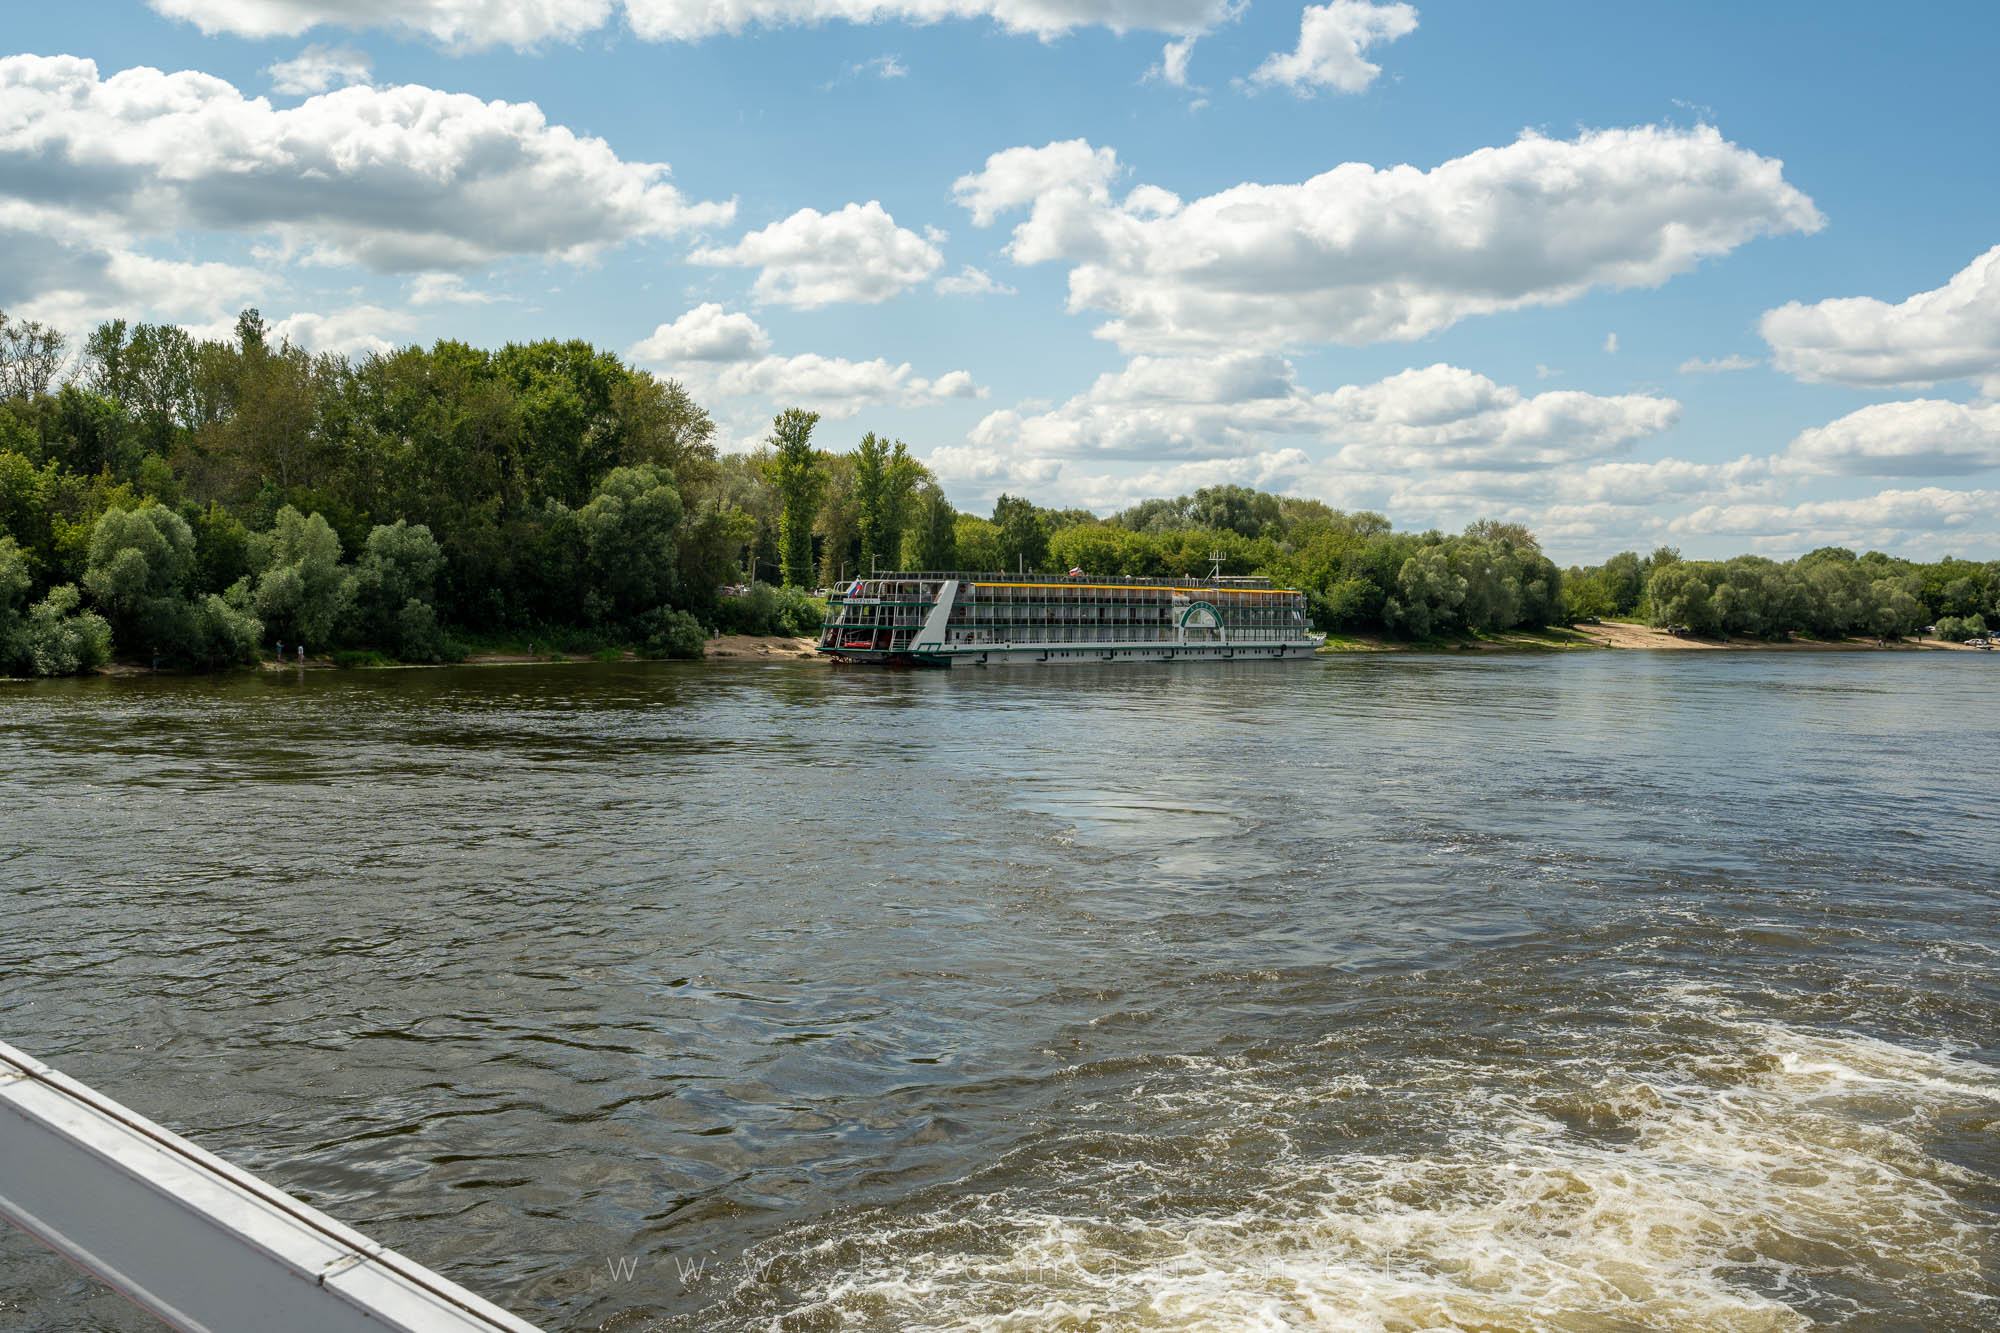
(199, 502)
(1830, 593)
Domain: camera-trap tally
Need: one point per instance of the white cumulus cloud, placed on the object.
(970, 281)
(1719, 365)
(969, 470)
(814, 259)
(723, 353)
(398, 179)
(446, 289)
(354, 331)
(1071, 174)
(1889, 520)
(471, 24)
(1950, 332)
(1243, 404)
(1361, 254)
(1925, 437)
(1173, 67)
(464, 23)
(318, 68)
(836, 387)
(72, 283)
(1332, 40)
(691, 20)
(705, 333)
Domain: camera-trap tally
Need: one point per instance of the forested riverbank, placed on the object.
(201, 502)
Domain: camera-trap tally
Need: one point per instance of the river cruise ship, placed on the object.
(948, 619)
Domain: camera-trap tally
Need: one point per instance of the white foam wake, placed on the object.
(1776, 1178)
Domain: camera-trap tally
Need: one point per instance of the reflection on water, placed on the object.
(1612, 992)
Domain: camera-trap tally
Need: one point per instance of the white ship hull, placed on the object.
(1085, 654)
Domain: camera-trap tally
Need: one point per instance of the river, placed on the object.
(1614, 991)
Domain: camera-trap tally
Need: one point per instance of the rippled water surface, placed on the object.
(1611, 992)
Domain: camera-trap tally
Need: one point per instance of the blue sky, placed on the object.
(1714, 275)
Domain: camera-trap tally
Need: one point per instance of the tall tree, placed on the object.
(30, 356)
(631, 527)
(837, 521)
(870, 459)
(303, 593)
(1024, 533)
(904, 473)
(104, 358)
(659, 423)
(933, 541)
(800, 480)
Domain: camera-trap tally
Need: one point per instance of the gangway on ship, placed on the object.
(206, 1247)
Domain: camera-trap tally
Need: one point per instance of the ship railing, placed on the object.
(196, 1241)
(1044, 576)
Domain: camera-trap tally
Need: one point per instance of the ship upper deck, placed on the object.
(902, 583)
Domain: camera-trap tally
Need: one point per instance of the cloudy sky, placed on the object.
(1719, 275)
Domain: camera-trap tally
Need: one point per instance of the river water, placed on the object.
(1602, 992)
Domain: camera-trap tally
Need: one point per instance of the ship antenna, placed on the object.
(1215, 575)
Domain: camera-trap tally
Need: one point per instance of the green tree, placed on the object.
(800, 480)
(671, 633)
(139, 562)
(932, 541)
(1430, 595)
(221, 546)
(1024, 534)
(275, 433)
(657, 422)
(399, 566)
(871, 458)
(220, 631)
(568, 399)
(1096, 548)
(1679, 595)
(1960, 597)
(54, 638)
(303, 595)
(31, 355)
(630, 528)
(978, 545)
(837, 525)
(24, 503)
(1893, 608)
(885, 479)
(1624, 581)
(1957, 629)
(417, 636)
(1237, 509)
(14, 585)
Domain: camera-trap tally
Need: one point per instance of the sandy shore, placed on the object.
(771, 646)
(761, 645)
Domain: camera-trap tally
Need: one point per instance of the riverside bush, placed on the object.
(671, 633)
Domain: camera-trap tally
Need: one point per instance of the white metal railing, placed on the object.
(203, 1245)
